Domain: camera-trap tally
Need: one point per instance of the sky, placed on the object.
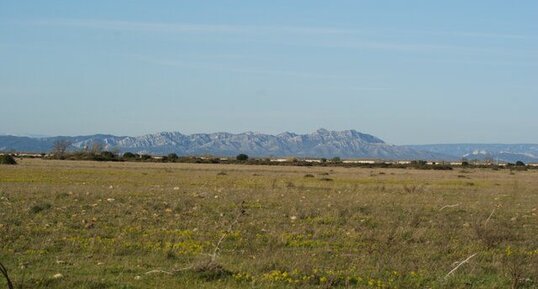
(409, 72)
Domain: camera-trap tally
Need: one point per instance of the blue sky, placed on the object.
(409, 72)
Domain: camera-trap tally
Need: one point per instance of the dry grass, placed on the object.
(68, 224)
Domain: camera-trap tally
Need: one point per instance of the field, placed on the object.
(75, 224)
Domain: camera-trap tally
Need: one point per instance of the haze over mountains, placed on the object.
(321, 143)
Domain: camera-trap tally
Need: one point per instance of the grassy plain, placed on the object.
(70, 224)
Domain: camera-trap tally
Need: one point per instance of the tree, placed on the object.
(336, 160)
(173, 157)
(129, 155)
(520, 164)
(241, 157)
(97, 148)
(108, 156)
(7, 160)
(420, 163)
(59, 148)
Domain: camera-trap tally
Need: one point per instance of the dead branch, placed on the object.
(3, 270)
(460, 263)
(490, 215)
(228, 231)
(159, 271)
(449, 206)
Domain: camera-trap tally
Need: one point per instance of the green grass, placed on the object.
(105, 225)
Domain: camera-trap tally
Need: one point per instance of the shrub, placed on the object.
(442, 167)
(7, 160)
(419, 163)
(172, 157)
(145, 157)
(211, 270)
(108, 155)
(105, 156)
(129, 155)
(40, 207)
(241, 157)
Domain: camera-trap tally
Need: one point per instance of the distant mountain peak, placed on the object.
(322, 131)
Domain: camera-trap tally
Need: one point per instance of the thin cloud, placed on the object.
(137, 26)
(399, 46)
(530, 63)
(424, 47)
(368, 88)
(466, 34)
(349, 39)
(491, 35)
(189, 64)
(224, 28)
(119, 25)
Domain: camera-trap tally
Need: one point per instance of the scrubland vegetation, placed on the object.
(85, 224)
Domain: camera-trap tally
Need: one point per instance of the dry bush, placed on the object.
(210, 270)
(493, 234)
(521, 267)
(412, 189)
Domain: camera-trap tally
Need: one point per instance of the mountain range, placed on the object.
(527, 153)
(321, 143)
